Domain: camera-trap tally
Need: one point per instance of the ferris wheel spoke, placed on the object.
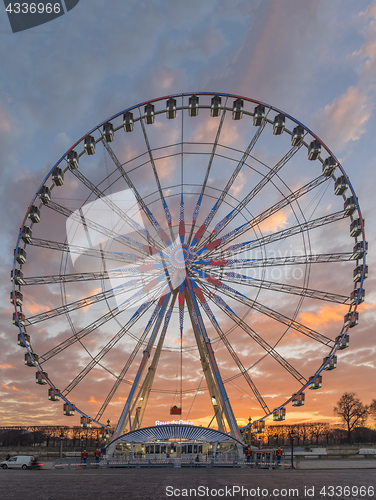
(156, 177)
(266, 179)
(83, 220)
(218, 243)
(95, 325)
(86, 302)
(230, 182)
(219, 301)
(163, 235)
(214, 283)
(205, 305)
(97, 359)
(276, 261)
(242, 279)
(285, 233)
(87, 251)
(115, 209)
(212, 155)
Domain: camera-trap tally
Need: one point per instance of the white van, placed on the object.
(21, 462)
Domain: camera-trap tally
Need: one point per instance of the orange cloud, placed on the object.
(323, 316)
(11, 388)
(5, 366)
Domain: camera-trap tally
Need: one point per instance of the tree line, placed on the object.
(352, 412)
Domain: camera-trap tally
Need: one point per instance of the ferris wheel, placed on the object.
(197, 255)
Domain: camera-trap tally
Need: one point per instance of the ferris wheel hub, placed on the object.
(181, 256)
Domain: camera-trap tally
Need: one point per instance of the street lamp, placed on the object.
(292, 436)
(61, 444)
(82, 445)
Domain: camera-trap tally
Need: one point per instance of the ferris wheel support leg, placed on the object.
(213, 390)
(142, 397)
(225, 402)
(126, 410)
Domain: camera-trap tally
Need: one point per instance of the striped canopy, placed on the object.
(178, 432)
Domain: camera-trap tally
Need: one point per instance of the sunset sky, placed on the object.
(316, 60)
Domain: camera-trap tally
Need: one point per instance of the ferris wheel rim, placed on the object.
(339, 166)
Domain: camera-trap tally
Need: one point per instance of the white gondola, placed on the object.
(193, 105)
(344, 343)
(357, 296)
(85, 422)
(351, 319)
(45, 195)
(358, 250)
(89, 145)
(215, 107)
(332, 364)
(149, 114)
(237, 109)
(72, 159)
(17, 277)
(18, 296)
(171, 108)
(108, 132)
(341, 185)
(356, 227)
(328, 166)
(298, 399)
(315, 383)
(279, 124)
(68, 410)
(58, 176)
(53, 394)
(128, 121)
(349, 206)
(314, 150)
(358, 273)
(258, 115)
(34, 214)
(259, 428)
(40, 377)
(279, 415)
(297, 135)
(26, 234)
(21, 319)
(25, 341)
(29, 359)
(20, 255)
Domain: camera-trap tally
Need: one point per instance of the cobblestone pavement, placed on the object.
(144, 484)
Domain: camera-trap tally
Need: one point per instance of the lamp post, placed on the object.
(292, 436)
(61, 444)
(82, 445)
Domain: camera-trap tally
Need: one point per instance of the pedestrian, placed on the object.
(7, 457)
(279, 453)
(97, 455)
(84, 456)
(197, 460)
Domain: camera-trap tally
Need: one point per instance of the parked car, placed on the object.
(21, 462)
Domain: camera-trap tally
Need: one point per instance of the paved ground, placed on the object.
(144, 484)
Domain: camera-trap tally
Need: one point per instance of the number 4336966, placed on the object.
(33, 8)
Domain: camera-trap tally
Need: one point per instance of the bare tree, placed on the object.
(352, 412)
(372, 409)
